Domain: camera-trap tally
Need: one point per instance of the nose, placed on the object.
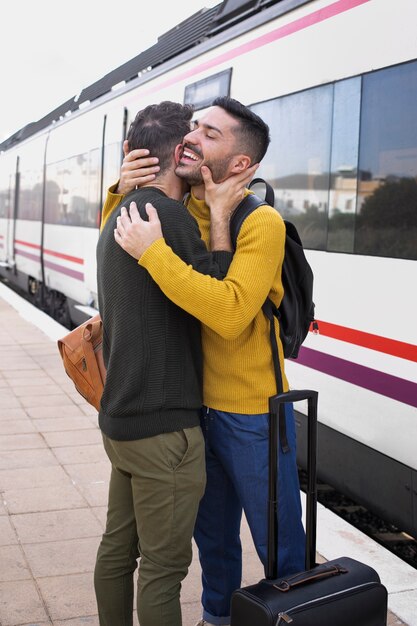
(191, 137)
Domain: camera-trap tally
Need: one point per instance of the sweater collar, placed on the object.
(197, 207)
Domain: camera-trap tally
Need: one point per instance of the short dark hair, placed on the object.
(159, 128)
(254, 132)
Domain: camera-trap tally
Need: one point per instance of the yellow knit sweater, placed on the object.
(238, 367)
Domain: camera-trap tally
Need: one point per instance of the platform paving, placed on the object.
(53, 490)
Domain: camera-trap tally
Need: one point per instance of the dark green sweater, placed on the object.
(151, 348)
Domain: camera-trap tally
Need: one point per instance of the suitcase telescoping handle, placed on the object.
(276, 412)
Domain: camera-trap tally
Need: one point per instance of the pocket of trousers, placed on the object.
(176, 448)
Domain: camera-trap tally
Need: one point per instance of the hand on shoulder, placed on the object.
(134, 234)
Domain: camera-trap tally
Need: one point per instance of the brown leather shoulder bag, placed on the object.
(82, 355)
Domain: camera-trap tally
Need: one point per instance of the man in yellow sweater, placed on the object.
(238, 366)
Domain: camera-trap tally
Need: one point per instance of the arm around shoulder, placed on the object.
(227, 306)
(183, 236)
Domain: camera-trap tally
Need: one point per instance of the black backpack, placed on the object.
(296, 311)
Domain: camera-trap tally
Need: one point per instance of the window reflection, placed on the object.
(344, 165)
(30, 198)
(202, 93)
(72, 190)
(346, 191)
(387, 201)
(52, 195)
(297, 161)
(94, 174)
(5, 195)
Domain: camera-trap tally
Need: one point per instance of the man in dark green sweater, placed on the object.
(149, 413)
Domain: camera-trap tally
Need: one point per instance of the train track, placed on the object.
(386, 534)
(54, 307)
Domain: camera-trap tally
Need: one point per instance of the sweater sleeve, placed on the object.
(227, 306)
(183, 238)
(111, 202)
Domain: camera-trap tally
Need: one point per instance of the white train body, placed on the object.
(315, 71)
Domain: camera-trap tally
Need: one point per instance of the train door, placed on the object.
(116, 125)
(27, 223)
(95, 193)
(105, 161)
(73, 192)
(8, 175)
(114, 128)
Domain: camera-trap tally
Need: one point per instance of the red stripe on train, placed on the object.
(67, 257)
(368, 340)
(28, 244)
(60, 255)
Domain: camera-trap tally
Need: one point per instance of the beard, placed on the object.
(192, 174)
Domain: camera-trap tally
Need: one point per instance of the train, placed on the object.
(336, 81)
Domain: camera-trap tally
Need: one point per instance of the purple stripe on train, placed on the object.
(28, 255)
(379, 382)
(53, 266)
(64, 270)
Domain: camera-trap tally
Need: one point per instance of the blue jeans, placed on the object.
(237, 478)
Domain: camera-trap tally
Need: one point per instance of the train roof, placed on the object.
(200, 27)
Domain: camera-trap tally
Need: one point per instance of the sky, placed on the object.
(50, 50)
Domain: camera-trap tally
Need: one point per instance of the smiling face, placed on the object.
(213, 143)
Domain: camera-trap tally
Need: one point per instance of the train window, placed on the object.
(72, 190)
(202, 93)
(344, 165)
(386, 223)
(4, 202)
(5, 193)
(297, 161)
(31, 160)
(53, 194)
(30, 197)
(76, 190)
(94, 174)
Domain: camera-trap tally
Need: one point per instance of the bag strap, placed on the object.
(249, 204)
(271, 311)
(269, 190)
(241, 212)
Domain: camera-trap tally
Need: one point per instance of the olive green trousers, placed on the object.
(155, 488)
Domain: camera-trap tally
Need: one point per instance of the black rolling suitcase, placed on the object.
(341, 592)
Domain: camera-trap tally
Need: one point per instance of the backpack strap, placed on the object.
(241, 212)
(269, 191)
(249, 204)
(271, 311)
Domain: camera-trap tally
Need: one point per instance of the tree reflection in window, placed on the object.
(348, 191)
(387, 216)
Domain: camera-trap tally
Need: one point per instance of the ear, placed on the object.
(177, 153)
(240, 163)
